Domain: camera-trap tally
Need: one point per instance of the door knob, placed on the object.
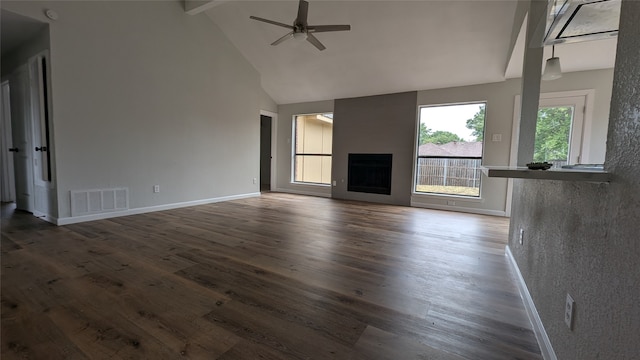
(42, 148)
(14, 149)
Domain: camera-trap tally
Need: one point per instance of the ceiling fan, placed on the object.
(300, 28)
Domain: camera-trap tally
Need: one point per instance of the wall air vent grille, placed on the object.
(89, 202)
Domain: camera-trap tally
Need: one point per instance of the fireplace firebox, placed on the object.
(370, 173)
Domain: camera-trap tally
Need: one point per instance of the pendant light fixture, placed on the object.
(552, 68)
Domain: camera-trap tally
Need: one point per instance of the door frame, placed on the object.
(33, 80)
(42, 133)
(6, 142)
(274, 142)
(20, 89)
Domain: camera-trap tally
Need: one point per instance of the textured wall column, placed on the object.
(624, 126)
(582, 238)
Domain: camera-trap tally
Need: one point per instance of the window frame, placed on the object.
(468, 198)
(576, 130)
(294, 153)
(587, 122)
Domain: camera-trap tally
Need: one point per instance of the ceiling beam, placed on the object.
(193, 7)
(531, 74)
(518, 25)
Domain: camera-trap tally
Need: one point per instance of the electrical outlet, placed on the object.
(521, 236)
(156, 188)
(451, 203)
(334, 183)
(568, 311)
(255, 181)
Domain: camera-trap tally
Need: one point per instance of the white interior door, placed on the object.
(40, 133)
(6, 143)
(21, 129)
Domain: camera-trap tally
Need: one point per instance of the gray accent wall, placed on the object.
(584, 238)
(384, 124)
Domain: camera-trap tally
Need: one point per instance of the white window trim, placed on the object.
(587, 129)
(292, 174)
(587, 124)
(576, 132)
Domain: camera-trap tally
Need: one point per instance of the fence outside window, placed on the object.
(448, 172)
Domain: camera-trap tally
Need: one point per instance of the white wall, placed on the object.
(602, 82)
(267, 103)
(498, 120)
(144, 94)
(500, 98)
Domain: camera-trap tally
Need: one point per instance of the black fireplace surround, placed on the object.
(370, 173)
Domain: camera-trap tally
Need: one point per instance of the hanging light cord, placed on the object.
(553, 51)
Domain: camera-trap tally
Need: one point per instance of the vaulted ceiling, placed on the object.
(393, 46)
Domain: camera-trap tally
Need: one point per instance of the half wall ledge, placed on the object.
(521, 172)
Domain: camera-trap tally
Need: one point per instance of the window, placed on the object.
(312, 148)
(450, 139)
(559, 130)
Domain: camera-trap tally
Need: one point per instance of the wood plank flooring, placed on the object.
(274, 277)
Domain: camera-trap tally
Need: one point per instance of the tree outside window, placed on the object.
(553, 129)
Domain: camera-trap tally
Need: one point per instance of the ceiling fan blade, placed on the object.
(271, 22)
(282, 39)
(314, 40)
(303, 10)
(327, 28)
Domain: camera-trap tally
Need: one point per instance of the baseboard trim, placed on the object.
(538, 327)
(148, 209)
(302, 192)
(458, 209)
(48, 218)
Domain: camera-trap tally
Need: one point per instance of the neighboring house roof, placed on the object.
(471, 149)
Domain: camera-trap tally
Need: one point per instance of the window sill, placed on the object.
(310, 184)
(519, 172)
(462, 198)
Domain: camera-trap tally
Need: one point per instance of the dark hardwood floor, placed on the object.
(274, 277)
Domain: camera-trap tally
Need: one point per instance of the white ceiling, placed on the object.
(393, 46)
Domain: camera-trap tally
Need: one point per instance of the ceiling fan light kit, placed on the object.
(299, 35)
(301, 29)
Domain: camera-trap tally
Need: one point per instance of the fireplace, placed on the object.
(370, 173)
